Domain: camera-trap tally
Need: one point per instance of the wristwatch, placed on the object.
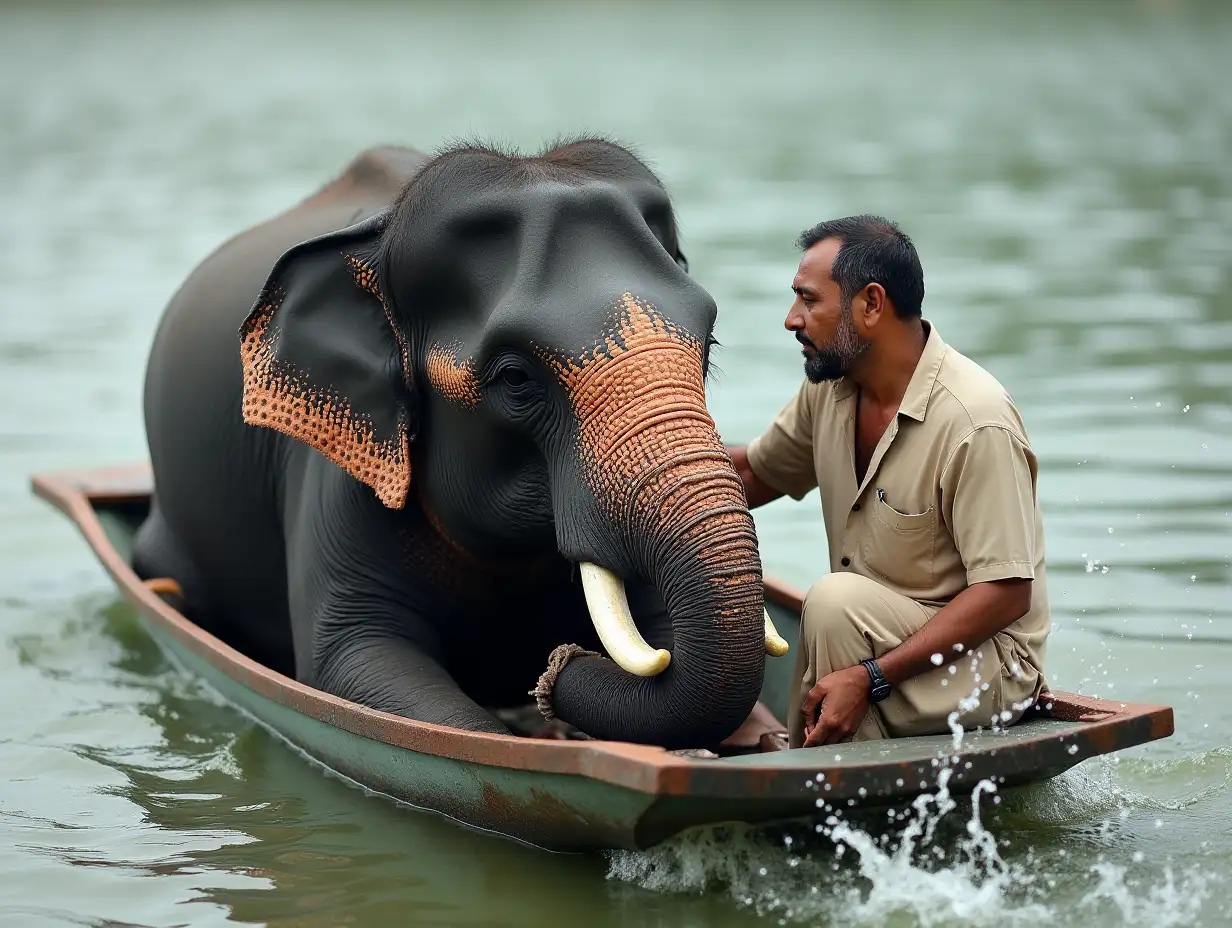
(878, 686)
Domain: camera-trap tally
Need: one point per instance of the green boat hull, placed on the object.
(584, 794)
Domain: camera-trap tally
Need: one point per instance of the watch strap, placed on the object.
(878, 687)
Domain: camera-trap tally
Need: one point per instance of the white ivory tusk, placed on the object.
(609, 610)
(775, 645)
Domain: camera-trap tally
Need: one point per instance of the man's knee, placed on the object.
(834, 605)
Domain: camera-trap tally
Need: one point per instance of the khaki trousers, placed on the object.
(848, 618)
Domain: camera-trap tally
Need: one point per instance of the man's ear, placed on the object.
(325, 362)
(875, 303)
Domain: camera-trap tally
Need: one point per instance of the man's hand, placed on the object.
(843, 696)
(965, 623)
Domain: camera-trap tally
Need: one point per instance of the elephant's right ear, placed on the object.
(325, 362)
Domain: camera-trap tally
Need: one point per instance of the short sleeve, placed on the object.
(988, 502)
(782, 456)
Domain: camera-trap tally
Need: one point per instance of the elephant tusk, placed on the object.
(609, 610)
(776, 646)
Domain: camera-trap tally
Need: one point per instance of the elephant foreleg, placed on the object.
(394, 675)
(358, 631)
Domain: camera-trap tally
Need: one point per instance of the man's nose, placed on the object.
(794, 320)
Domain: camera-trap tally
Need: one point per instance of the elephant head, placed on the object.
(516, 342)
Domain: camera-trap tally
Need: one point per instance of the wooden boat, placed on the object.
(572, 794)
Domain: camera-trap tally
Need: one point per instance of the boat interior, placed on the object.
(763, 731)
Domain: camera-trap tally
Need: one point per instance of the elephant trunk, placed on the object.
(671, 510)
(701, 555)
(690, 534)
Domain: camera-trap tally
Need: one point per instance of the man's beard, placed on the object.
(836, 359)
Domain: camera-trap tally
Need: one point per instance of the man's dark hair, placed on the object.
(873, 251)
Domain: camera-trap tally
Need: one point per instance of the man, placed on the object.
(936, 600)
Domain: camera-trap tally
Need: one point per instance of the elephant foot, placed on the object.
(168, 590)
(759, 733)
(556, 730)
(527, 722)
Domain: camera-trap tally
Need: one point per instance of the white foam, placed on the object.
(1164, 905)
(918, 867)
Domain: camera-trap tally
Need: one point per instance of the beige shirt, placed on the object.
(949, 498)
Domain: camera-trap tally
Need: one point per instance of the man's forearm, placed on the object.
(756, 491)
(966, 622)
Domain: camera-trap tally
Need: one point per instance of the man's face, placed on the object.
(821, 319)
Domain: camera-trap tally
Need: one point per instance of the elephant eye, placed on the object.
(514, 388)
(514, 376)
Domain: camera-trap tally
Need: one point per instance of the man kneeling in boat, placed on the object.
(936, 600)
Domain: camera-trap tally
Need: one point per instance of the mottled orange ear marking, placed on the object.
(454, 380)
(365, 278)
(279, 396)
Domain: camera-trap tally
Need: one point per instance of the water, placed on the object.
(1066, 171)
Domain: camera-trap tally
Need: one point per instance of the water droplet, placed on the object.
(937, 659)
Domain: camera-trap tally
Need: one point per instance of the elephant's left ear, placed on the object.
(325, 361)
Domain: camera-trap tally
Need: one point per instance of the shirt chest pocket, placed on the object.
(899, 546)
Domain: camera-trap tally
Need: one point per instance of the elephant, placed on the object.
(435, 440)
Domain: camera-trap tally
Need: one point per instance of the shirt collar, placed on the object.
(915, 400)
(923, 379)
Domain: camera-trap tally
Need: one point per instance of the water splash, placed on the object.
(1164, 905)
(972, 884)
(930, 864)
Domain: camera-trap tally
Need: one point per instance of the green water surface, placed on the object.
(1066, 172)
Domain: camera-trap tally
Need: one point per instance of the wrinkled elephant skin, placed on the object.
(391, 426)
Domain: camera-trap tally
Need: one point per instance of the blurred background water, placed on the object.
(1066, 173)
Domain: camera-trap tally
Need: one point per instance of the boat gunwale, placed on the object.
(642, 768)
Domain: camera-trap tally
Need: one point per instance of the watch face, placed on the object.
(880, 691)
